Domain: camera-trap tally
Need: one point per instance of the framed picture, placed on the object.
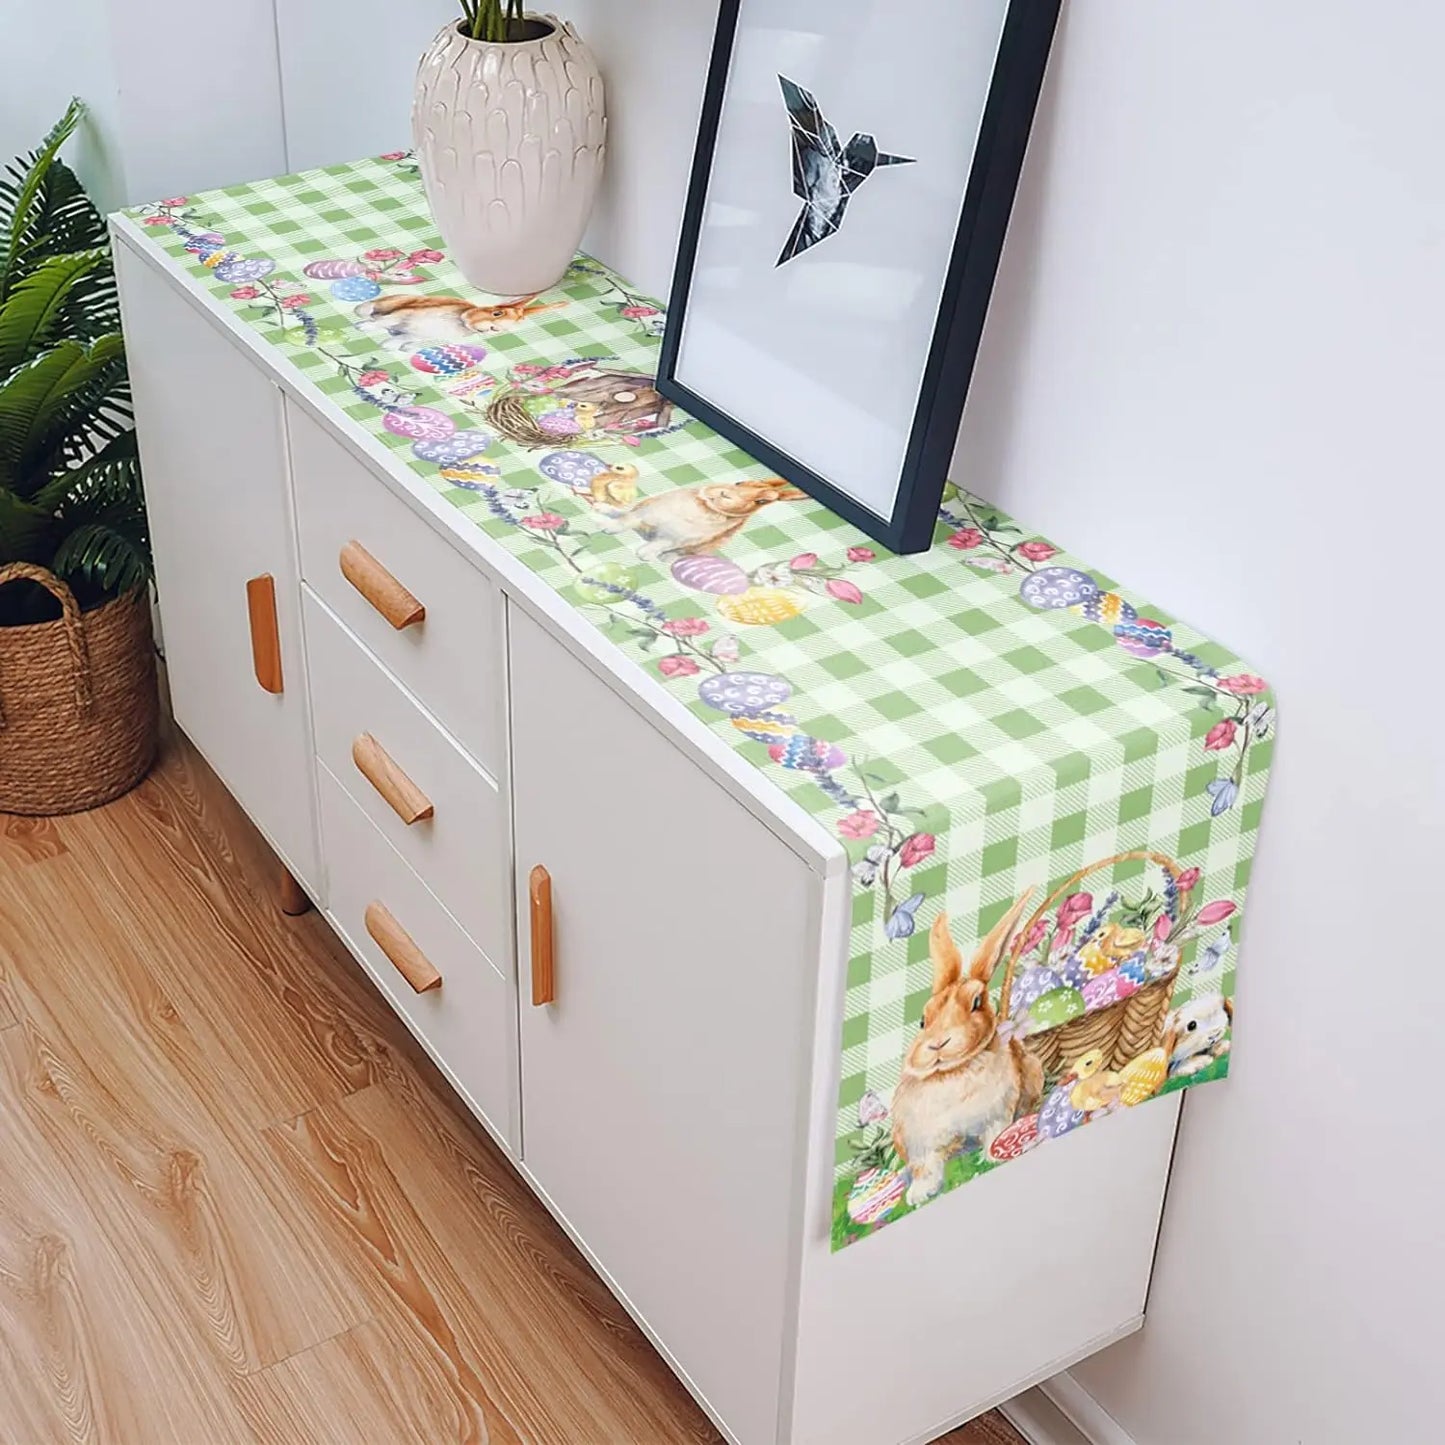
(855, 171)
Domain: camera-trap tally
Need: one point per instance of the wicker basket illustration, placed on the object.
(79, 709)
(1123, 1029)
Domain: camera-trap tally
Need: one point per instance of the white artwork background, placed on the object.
(824, 356)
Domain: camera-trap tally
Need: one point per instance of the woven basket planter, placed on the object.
(79, 710)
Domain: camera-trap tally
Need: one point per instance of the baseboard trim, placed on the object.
(1089, 1420)
(1039, 1421)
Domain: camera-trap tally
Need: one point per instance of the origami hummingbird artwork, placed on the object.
(826, 175)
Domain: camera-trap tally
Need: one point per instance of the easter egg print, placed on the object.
(251, 268)
(421, 423)
(355, 288)
(745, 693)
(453, 450)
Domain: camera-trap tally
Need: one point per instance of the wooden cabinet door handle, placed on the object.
(544, 963)
(379, 769)
(265, 632)
(399, 946)
(379, 587)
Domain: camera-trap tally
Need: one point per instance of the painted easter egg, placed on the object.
(603, 582)
(244, 268)
(1073, 972)
(1094, 959)
(453, 450)
(760, 607)
(1016, 1140)
(768, 727)
(1144, 637)
(809, 755)
(1058, 1115)
(1058, 1007)
(745, 694)
(333, 270)
(1052, 589)
(1106, 989)
(1135, 969)
(711, 574)
(559, 423)
(1033, 983)
(571, 469)
(471, 383)
(875, 1195)
(1142, 1078)
(205, 241)
(450, 360)
(421, 423)
(355, 288)
(1108, 608)
(475, 476)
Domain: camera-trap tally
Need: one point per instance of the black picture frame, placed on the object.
(1027, 37)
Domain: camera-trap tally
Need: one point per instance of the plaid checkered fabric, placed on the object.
(985, 718)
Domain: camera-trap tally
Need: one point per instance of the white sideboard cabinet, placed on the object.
(624, 948)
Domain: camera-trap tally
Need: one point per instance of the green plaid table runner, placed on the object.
(988, 720)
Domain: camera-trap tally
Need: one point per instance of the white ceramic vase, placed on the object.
(510, 140)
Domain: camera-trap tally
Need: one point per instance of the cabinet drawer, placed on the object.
(451, 657)
(380, 745)
(468, 1022)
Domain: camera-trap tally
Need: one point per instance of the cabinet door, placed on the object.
(662, 1089)
(218, 498)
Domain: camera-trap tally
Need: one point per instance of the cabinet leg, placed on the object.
(293, 897)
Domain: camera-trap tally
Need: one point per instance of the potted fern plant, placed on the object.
(509, 125)
(78, 704)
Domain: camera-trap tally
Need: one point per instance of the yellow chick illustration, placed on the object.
(1119, 943)
(586, 413)
(617, 486)
(1142, 1077)
(1097, 1087)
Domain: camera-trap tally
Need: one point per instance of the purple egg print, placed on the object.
(246, 268)
(571, 469)
(453, 450)
(745, 694)
(421, 423)
(1051, 589)
(333, 270)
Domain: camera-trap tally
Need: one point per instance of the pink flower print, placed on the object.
(1073, 908)
(426, 257)
(156, 221)
(1038, 551)
(1162, 925)
(545, 522)
(392, 156)
(1244, 684)
(383, 253)
(916, 849)
(862, 824)
(372, 378)
(685, 627)
(1034, 936)
(244, 293)
(639, 313)
(804, 562)
(678, 666)
(1213, 913)
(175, 200)
(871, 1109)
(861, 554)
(843, 590)
(291, 303)
(966, 539)
(1220, 736)
(1187, 880)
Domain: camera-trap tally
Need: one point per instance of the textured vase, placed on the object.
(510, 139)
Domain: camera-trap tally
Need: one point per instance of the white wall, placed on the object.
(1213, 368)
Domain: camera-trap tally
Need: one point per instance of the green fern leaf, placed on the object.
(17, 208)
(37, 304)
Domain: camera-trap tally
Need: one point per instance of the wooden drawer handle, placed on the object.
(399, 946)
(265, 632)
(379, 587)
(379, 769)
(544, 964)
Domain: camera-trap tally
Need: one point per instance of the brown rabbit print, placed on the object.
(405, 323)
(698, 519)
(961, 1081)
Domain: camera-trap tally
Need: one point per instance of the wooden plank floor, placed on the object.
(237, 1204)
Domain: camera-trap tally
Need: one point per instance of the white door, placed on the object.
(213, 453)
(662, 1089)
